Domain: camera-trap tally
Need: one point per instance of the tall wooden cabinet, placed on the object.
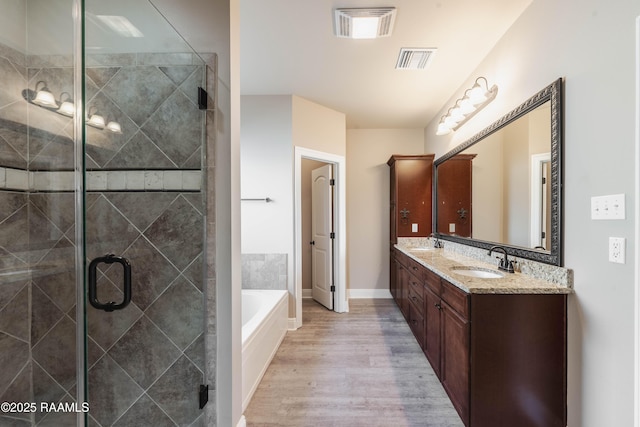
(454, 195)
(410, 194)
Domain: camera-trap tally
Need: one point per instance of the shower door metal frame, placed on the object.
(79, 197)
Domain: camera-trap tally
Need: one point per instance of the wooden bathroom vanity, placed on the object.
(499, 346)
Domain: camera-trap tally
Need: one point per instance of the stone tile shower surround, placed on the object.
(153, 97)
(264, 271)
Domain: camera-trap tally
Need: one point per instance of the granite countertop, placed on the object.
(441, 262)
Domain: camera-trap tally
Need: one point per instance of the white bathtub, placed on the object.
(264, 324)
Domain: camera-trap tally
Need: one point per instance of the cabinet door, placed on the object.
(413, 197)
(455, 359)
(393, 276)
(402, 291)
(432, 329)
(416, 322)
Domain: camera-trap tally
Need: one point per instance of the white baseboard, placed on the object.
(242, 422)
(292, 324)
(369, 293)
(356, 294)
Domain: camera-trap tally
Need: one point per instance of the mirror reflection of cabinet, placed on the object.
(410, 196)
(455, 203)
(517, 181)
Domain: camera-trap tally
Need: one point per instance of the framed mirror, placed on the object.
(504, 185)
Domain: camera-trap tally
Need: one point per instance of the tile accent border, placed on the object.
(132, 180)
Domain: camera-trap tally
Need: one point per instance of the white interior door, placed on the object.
(321, 230)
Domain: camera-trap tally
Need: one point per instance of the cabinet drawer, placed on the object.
(401, 258)
(431, 281)
(416, 292)
(456, 298)
(415, 268)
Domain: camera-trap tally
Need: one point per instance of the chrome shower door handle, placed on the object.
(93, 279)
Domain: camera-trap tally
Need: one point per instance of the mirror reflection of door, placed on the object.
(546, 203)
(540, 201)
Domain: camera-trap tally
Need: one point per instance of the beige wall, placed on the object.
(317, 127)
(368, 201)
(555, 39)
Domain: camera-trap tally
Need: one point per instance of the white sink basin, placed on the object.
(420, 249)
(478, 272)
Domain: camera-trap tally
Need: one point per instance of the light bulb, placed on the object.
(97, 121)
(114, 127)
(44, 98)
(67, 109)
(443, 129)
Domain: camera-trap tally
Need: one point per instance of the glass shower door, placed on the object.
(38, 243)
(144, 218)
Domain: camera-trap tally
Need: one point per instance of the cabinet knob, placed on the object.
(438, 306)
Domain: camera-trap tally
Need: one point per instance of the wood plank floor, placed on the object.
(362, 368)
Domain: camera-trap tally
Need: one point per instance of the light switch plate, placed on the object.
(414, 228)
(452, 227)
(608, 207)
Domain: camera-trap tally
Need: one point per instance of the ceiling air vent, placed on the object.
(364, 23)
(414, 59)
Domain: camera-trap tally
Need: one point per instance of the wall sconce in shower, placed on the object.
(95, 120)
(66, 105)
(44, 97)
(98, 121)
(475, 98)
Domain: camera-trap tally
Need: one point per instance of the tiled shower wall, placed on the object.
(146, 361)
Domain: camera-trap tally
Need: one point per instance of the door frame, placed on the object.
(341, 304)
(537, 160)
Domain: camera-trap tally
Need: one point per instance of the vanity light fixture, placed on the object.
(364, 23)
(474, 99)
(98, 121)
(44, 97)
(66, 105)
(95, 120)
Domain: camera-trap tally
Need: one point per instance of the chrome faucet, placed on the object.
(437, 243)
(505, 264)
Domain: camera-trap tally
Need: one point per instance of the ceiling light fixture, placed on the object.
(364, 23)
(475, 98)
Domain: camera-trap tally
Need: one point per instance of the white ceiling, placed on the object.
(288, 48)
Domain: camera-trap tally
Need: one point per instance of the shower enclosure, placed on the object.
(102, 216)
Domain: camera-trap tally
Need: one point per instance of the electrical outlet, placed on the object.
(414, 228)
(617, 249)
